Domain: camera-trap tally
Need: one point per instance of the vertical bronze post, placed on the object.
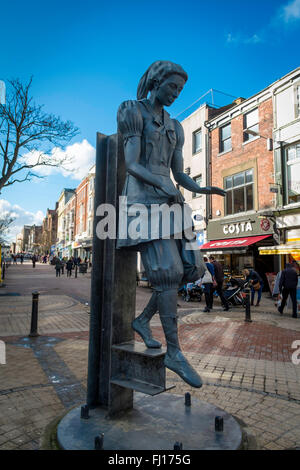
(34, 314)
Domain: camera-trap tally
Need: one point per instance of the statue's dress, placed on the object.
(160, 137)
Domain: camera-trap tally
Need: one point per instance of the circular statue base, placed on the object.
(154, 423)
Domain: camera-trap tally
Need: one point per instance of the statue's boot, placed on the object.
(174, 359)
(141, 323)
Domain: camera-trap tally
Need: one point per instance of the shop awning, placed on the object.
(232, 243)
(280, 250)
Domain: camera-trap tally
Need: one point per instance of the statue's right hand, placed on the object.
(173, 193)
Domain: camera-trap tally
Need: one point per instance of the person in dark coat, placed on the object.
(57, 267)
(219, 277)
(69, 266)
(253, 278)
(33, 259)
(288, 286)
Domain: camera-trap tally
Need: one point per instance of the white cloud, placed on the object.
(22, 217)
(241, 39)
(291, 11)
(77, 160)
(255, 39)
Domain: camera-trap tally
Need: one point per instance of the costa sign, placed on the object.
(237, 228)
(265, 224)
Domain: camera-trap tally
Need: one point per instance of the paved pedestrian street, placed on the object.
(247, 368)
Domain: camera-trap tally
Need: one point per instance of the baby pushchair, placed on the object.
(234, 292)
(191, 292)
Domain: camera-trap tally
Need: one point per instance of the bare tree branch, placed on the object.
(5, 221)
(26, 128)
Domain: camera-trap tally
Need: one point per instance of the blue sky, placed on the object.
(86, 57)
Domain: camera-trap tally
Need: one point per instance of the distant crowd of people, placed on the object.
(60, 264)
(69, 264)
(285, 287)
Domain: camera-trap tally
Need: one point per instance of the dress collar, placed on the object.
(156, 118)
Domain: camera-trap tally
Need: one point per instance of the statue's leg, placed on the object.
(192, 260)
(141, 323)
(164, 268)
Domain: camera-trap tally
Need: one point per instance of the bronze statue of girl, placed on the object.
(152, 147)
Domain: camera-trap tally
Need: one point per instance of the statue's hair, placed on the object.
(159, 70)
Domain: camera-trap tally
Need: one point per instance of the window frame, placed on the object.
(289, 164)
(221, 141)
(249, 137)
(297, 98)
(194, 150)
(245, 185)
(195, 195)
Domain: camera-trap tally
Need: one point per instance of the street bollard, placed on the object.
(219, 424)
(84, 412)
(177, 446)
(34, 314)
(187, 399)
(247, 292)
(99, 442)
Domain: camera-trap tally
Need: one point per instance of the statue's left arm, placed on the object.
(178, 172)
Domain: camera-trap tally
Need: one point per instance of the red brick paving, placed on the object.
(245, 340)
(235, 339)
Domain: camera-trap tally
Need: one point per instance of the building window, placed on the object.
(91, 185)
(239, 192)
(225, 138)
(90, 205)
(297, 101)
(251, 124)
(293, 173)
(89, 228)
(198, 180)
(197, 141)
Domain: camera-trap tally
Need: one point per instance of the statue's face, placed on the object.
(169, 89)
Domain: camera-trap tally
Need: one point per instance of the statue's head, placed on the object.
(164, 79)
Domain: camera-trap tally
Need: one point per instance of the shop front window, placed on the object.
(239, 192)
(293, 173)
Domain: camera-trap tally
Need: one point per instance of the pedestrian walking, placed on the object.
(33, 259)
(69, 266)
(62, 266)
(207, 283)
(288, 286)
(256, 284)
(219, 278)
(22, 259)
(57, 267)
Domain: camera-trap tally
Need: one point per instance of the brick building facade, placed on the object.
(242, 163)
(49, 231)
(81, 216)
(243, 155)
